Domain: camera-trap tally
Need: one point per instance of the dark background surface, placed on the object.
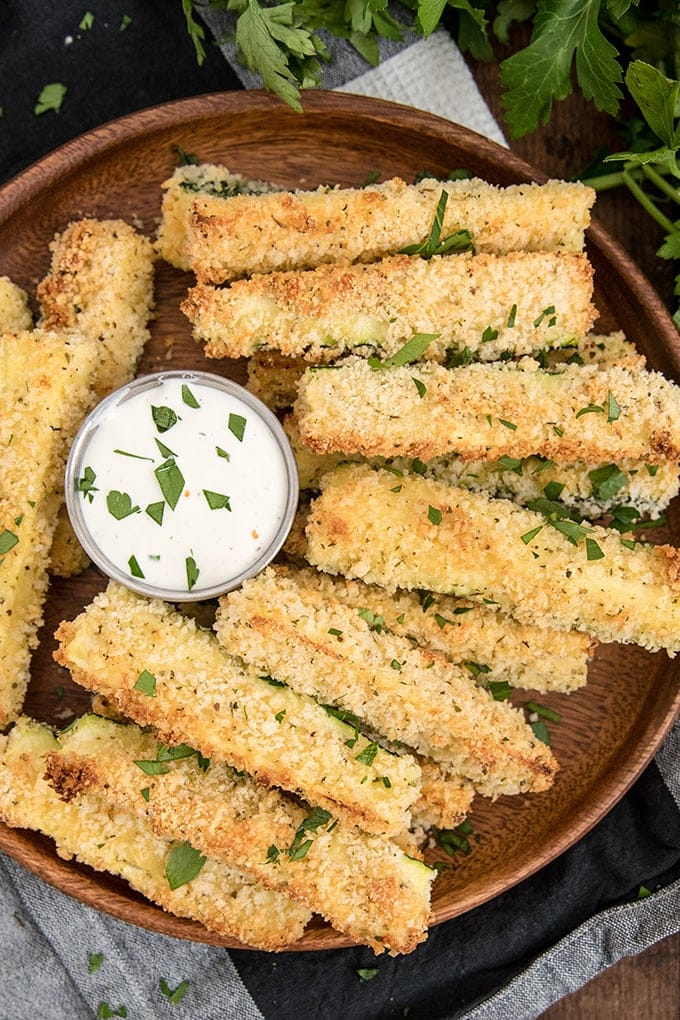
(108, 73)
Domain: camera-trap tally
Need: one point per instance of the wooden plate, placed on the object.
(611, 729)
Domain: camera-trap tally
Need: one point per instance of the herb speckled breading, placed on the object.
(207, 699)
(363, 885)
(46, 388)
(482, 304)
(433, 536)
(109, 838)
(346, 657)
(483, 412)
(15, 314)
(232, 237)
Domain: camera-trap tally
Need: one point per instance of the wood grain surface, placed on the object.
(610, 730)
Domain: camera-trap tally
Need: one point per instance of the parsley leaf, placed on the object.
(565, 31)
(184, 863)
(50, 98)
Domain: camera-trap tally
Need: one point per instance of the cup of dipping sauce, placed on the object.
(180, 485)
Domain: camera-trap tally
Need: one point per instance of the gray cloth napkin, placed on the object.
(47, 937)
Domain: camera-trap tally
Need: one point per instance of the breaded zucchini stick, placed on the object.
(591, 489)
(45, 390)
(424, 534)
(181, 190)
(446, 799)
(274, 378)
(299, 230)
(492, 645)
(345, 657)
(107, 837)
(206, 698)
(15, 314)
(362, 885)
(484, 305)
(101, 283)
(484, 412)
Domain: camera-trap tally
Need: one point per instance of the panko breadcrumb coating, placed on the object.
(46, 389)
(231, 237)
(434, 536)
(484, 305)
(209, 700)
(15, 314)
(109, 838)
(181, 190)
(493, 644)
(344, 656)
(483, 412)
(363, 885)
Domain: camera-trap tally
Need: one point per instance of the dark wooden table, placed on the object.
(647, 985)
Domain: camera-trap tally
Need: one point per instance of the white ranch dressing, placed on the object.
(181, 438)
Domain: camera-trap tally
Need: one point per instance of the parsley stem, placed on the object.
(603, 182)
(662, 184)
(648, 204)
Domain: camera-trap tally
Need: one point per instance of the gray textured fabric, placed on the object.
(48, 938)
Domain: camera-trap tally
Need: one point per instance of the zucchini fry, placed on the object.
(484, 412)
(591, 489)
(491, 645)
(15, 314)
(363, 885)
(109, 838)
(207, 699)
(339, 655)
(433, 536)
(298, 230)
(482, 305)
(46, 388)
(274, 379)
(188, 183)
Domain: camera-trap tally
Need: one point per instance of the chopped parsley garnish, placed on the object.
(237, 426)
(460, 240)
(192, 571)
(134, 567)
(146, 683)
(106, 1012)
(456, 358)
(367, 756)
(489, 334)
(476, 668)
(652, 469)
(334, 631)
(545, 713)
(174, 995)
(607, 481)
(590, 409)
(395, 664)
(152, 768)
(593, 551)
(510, 464)
(300, 846)
(86, 484)
(420, 386)
(553, 490)
(146, 793)
(508, 424)
(367, 973)
(7, 541)
(94, 962)
(222, 453)
(164, 418)
(560, 517)
(216, 500)
(500, 689)
(51, 97)
(188, 397)
(120, 505)
(411, 351)
(184, 863)
(374, 620)
(512, 317)
(613, 409)
(550, 310)
(419, 467)
(273, 854)
(529, 535)
(164, 450)
(155, 511)
(135, 456)
(171, 481)
(643, 892)
(454, 840)
(434, 514)
(541, 732)
(279, 715)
